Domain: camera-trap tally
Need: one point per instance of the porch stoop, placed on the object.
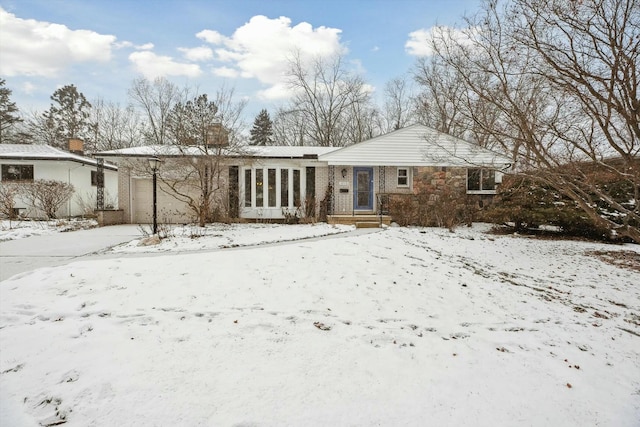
(360, 221)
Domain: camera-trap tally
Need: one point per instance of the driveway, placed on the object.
(22, 255)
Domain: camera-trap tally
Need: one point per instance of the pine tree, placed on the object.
(68, 115)
(9, 114)
(262, 130)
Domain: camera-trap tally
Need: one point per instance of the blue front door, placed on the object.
(363, 189)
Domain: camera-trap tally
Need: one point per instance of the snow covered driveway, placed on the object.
(405, 326)
(45, 247)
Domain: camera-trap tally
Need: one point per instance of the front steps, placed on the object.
(360, 220)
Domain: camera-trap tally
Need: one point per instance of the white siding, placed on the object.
(415, 145)
(79, 175)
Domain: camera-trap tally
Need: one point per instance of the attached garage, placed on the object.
(170, 210)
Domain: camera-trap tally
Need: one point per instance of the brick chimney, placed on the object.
(217, 136)
(76, 146)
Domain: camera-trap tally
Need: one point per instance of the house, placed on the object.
(276, 182)
(24, 163)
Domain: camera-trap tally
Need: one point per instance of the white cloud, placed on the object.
(39, 48)
(261, 48)
(146, 46)
(152, 66)
(28, 88)
(226, 72)
(421, 41)
(201, 53)
(127, 44)
(210, 36)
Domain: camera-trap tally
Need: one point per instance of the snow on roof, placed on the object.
(415, 145)
(286, 152)
(45, 152)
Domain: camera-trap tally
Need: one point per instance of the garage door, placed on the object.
(170, 210)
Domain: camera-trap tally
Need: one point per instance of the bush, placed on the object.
(8, 194)
(47, 195)
(525, 206)
(447, 208)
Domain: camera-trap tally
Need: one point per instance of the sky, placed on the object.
(102, 46)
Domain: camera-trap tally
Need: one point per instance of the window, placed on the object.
(310, 191)
(271, 177)
(95, 178)
(259, 188)
(481, 181)
(403, 177)
(275, 187)
(296, 188)
(17, 172)
(247, 188)
(284, 187)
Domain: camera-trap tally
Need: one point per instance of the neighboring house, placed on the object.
(272, 182)
(24, 163)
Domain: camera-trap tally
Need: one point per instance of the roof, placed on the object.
(416, 145)
(275, 152)
(45, 152)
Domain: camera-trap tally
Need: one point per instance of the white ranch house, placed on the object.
(24, 163)
(271, 182)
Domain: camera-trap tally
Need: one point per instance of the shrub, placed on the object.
(447, 208)
(47, 195)
(525, 206)
(8, 194)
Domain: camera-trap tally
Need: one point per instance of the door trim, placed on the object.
(369, 206)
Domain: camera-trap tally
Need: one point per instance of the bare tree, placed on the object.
(47, 196)
(327, 96)
(555, 83)
(590, 51)
(204, 133)
(290, 127)
(38, 129)
(156, 100)
(114, 126)
(399, 107)
(441, 101)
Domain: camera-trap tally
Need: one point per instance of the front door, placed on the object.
(363, 189)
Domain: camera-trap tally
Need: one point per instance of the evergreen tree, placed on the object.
(68, 116)
(8, 113)
(262, 130)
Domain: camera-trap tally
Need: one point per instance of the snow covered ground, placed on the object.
(405, 326)
(193, 238)
(12, 230)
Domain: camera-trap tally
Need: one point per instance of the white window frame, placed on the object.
(482, 190)
(407, 177)
(280, 204)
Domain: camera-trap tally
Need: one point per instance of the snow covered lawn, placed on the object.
(11, 230)
(214, 236)
(405, 326)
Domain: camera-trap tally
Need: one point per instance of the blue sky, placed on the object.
(101, 46)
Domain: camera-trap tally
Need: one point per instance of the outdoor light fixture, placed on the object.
(154, 162)
(344, 173)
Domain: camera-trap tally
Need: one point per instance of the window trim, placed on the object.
(481, 179)
(5, 172)
(294, 193)
(407, 177)
(94, 178)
